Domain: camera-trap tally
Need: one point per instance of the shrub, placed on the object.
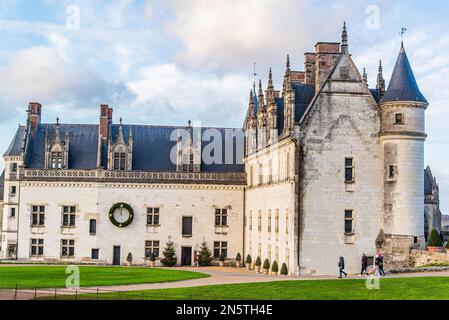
(169, 253)
(249, 260)
(284, 270)
(222, 257)
(266, 264)
(258, 262)
(204, 256)
(447, 245)
(129, 258)
(275, 267)
(152, 257)
(239, 257)
(435, 239)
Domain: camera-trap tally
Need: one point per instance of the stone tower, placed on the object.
(402, 140)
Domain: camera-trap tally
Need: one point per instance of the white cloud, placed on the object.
(165, 92)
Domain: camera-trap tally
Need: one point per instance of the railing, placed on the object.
(238, 178)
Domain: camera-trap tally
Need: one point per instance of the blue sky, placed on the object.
(165, 62)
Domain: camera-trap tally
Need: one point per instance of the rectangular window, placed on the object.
(259, 221)
(56, 160)
(93, 227)
(95, 254)
(260, 174)
(120, 161)
(286, 221)
(349, 222)
(68, 216)
(153, 216)
(269, 220)
(250, 221)
(270, 171)
(13, 190)
(220, 247)
(14, 167)
(38, 216)
(67, 248)
(37, 247)
(221, 217)
(276, 223)
(349, 170)
(187, 224)
(399, 118)
(12, 213)
(391, 172)
(287, 166)
(152, 246)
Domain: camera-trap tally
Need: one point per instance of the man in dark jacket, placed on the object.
(341, 265)
(364, 265)
(380, 264)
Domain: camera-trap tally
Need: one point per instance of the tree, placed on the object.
(275, 267)
(152, 257)
(258, 262)
(129, 258)
(239, 257)
(205, 256)
(222, 257)
(169, 253)
(284, 270)
(435, 239)
(266, 264)
(249, 260)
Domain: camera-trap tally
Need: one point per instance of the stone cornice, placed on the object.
(402, 104)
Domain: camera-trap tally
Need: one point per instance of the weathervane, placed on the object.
(254, 75)
(403, 31)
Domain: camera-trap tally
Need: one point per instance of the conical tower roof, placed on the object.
(403, 86)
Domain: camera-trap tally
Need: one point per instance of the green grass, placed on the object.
(30, 277)
(431, 288)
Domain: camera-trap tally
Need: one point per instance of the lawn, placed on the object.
(27, 277)
(434, 288)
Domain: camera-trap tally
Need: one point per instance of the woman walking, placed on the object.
(341, 265)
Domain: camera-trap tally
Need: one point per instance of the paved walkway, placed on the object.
(217, 276)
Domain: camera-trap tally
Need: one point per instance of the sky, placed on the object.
(167, 62)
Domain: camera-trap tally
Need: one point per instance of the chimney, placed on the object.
(34, 114)
(298, 76)
(326, 53)
(309, 67)
(105, 120)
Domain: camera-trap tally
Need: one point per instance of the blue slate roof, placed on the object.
(2, 185)
(403, 85)
(151, 147)
(304, 94)
(15, 148)
(375, 94)
(428, 182)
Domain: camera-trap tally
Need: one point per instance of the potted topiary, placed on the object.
(284, 270)
(258, 264)
(152, 260)
(266, 266)
(248, 262)
(435, 244)
(447, 247)
(238, 260)
(222, 259)
(275, 268)
(129, 259)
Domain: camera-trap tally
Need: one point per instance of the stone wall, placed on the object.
(421, 258)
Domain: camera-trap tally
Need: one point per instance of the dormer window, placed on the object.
(119, 161)
(56, 148)
(56, 160)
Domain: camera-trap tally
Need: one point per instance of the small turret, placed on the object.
(380, 81)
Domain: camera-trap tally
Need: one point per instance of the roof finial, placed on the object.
(365, 76)
(380, 80)
(260, 88)
(121, 121)
(288, 63)
(190, 123)
(344, 40)
(270, 79)
(380, 66)
(403, 31)
(57, 121)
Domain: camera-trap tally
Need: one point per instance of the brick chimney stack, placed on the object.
(326, 54)
(105, 121)
(34, 114)
(309, 67)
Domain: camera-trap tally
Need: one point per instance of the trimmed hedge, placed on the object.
(435, 239)
(258, 262)
(239, 257)
(249, 260)
(275, 267)
(266, 264)
(284, 270)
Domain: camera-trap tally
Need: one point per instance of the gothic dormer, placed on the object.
(120, 152)
(56, 148)
(261, 119)
(251, 125)
(189, 150)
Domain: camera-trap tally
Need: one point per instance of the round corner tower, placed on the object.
(402, 140)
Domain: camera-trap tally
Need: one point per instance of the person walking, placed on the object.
(341, 265)
(364, 265)
(380, 264)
